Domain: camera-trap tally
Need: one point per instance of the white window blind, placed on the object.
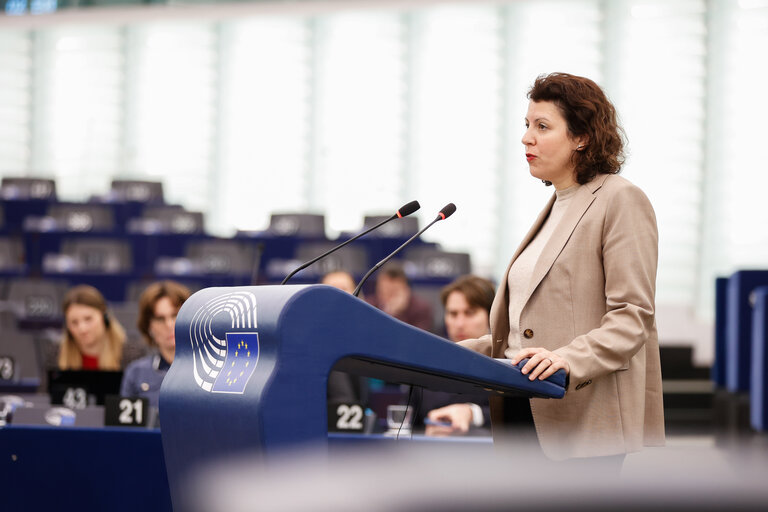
(352, 112)
(172, 108)
(658, 87)
(744, 171)
(456, 116)
(78, 108)
(15, 101)
(734, 215)
(264, 138)
(544, 37)
(360, 101)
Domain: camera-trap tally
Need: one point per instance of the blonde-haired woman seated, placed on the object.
(93, 339)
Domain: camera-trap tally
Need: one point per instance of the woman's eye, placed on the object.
(542, 127)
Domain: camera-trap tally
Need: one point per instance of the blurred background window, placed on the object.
(242, 111)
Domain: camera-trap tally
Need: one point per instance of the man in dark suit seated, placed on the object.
(467, 304)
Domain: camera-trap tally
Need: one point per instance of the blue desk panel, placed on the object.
(49, 468)
(718, 367)
(758, 394)
(739, 327)
(118, 469)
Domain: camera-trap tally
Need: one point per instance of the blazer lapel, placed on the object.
(576, 210)
(500, 306)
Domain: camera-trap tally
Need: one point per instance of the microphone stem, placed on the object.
(390, 256)
(326, 253)
(257, 263)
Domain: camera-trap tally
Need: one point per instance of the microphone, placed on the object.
(446, 212)
(404, 211)
(257, 263)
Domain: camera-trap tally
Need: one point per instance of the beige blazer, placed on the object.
(591, 300)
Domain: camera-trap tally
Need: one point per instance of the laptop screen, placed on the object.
(79, 388)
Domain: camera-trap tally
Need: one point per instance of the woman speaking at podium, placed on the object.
(579, 292)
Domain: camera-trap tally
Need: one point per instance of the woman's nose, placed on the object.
(527, 140)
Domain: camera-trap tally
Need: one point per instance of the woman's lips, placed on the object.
(529, 156)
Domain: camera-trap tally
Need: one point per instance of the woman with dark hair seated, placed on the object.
(158, 307)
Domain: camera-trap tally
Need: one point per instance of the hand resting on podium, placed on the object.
(456, 419)
(540, 362)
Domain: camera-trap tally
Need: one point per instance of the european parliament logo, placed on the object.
(225, 364)
(242, 354)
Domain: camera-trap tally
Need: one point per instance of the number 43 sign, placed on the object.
(121, 411)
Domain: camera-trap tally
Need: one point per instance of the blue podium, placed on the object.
(252, 363)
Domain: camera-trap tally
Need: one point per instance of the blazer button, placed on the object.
(528, 333)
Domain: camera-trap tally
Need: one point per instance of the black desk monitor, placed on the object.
(79, 388)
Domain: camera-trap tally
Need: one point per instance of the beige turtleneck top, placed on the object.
(519, 279)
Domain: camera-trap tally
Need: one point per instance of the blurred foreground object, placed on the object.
(414, 477)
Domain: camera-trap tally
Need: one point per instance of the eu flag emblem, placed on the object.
(242, 356)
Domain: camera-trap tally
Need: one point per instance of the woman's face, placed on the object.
(548, 144)
(340, 280)
(462, 320)
(86, 325)
(162, 325)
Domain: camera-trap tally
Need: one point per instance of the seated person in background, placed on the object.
(93, 339)
(467, 303)
(342, 387)
(339, 279)
(158, 307)
(395, 297)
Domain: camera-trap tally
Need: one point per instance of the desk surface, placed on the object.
(113, 468)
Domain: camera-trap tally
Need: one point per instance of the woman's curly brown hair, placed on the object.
(589, 114)
(176, 292)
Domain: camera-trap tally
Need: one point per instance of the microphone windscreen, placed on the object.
(408, 209)
(447, 210)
